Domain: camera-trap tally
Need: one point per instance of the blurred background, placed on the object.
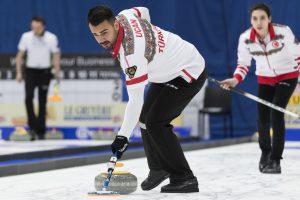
(92, 87)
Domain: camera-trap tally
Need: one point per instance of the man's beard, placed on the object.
(106, 45)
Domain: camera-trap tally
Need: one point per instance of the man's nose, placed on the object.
(100, 39)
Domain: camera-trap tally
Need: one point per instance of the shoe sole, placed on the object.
(261, 168)
(182, 191)
(155, 185)
(266, 172)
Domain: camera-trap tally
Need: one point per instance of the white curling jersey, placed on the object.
(149, 54)
(277, 57)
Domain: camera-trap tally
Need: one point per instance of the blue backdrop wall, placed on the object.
(213, 26)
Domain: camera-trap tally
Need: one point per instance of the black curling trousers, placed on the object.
(163, 103)
(279, 94)
(37, 78)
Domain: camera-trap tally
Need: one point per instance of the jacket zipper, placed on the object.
(266, 55)
(265, 51)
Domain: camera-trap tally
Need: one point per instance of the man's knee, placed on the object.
(153, 125)
(28, 98)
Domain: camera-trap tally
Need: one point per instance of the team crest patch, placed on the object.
(130, 71)
(275, 44)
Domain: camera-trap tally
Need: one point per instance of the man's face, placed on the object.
(105, 33)
(37, 27)
(260, 22)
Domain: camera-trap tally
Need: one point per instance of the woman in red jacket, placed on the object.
(277, 54)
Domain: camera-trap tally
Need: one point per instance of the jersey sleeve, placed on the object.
(142, 12)
(134, 64)
(244, 60)
(293, 45)
(22, 43)
(132, 111)
(54, 45)
(135, 71)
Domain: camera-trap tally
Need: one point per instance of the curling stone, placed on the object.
(54, 134)
(20, 134)
(121, 181)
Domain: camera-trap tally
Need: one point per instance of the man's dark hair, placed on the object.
(39, 19)
(99, 14)
(261, 6)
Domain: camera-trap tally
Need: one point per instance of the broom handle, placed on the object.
(111, 166)
(257, 99)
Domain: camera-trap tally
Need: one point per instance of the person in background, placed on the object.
(277, 54)
(42, 52)
(176, 71)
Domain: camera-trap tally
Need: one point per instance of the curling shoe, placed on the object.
(155, 177)
(263, 162)
(184, 186)
(273, 167)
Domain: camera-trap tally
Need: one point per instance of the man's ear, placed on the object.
(116, 25)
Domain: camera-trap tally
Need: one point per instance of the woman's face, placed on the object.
(260, 22)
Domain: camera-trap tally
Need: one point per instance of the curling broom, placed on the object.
(105, 192)
(55, 96)
(257, 99)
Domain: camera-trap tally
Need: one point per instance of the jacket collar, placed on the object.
(116, 49)
(253, 34)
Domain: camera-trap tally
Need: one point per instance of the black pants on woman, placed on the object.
(279, 94)
(163, 103)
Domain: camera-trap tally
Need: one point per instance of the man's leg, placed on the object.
(156, 174)
(44, 80)
(29, 95)
(168, 105)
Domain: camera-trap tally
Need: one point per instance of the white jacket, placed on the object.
(148, 53)
(277, 57)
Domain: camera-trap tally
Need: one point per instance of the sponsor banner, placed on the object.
(67, 114)
(73, 66)
(77, 121)
(59, 114)
(294, 106)
(69, 91)
(91, 132)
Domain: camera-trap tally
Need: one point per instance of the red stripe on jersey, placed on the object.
(116, 49)
(138, 12)
(253, 33)
(276, 79)
(243, 72)
(243, 67)
(238, 77)
(186, 73)
(137, 80)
